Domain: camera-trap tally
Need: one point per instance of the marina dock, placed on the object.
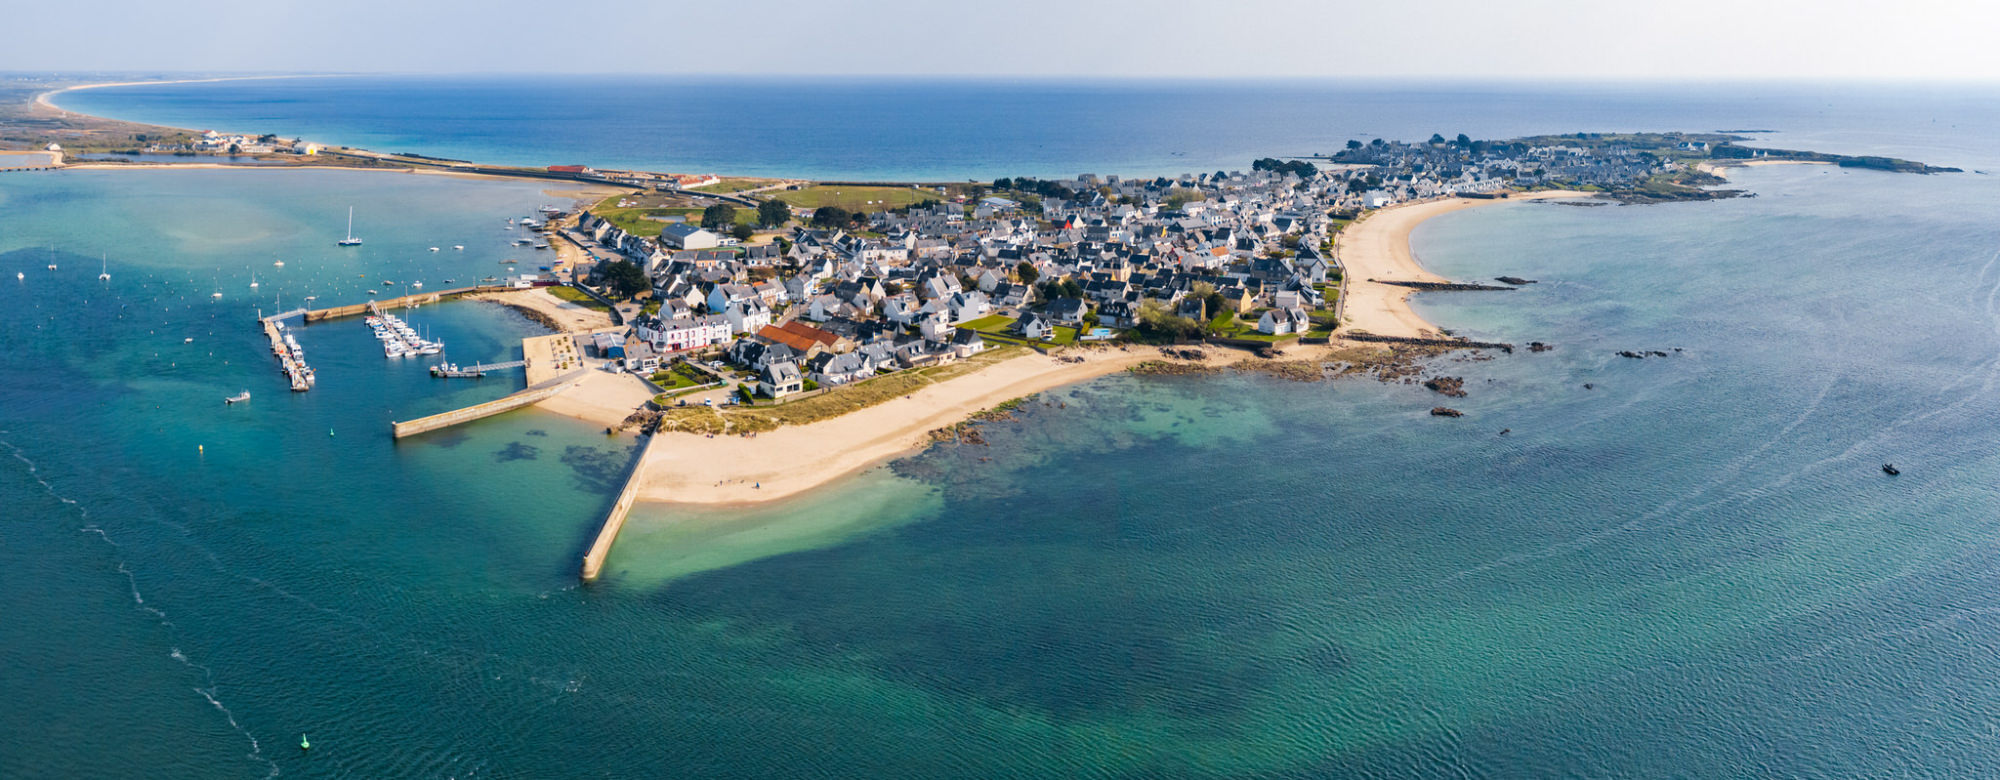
(607, 535)
(532, 394)
(284, 347)
(474, 371)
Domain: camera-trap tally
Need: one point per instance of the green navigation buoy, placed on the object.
(329, 431)
(305, 744)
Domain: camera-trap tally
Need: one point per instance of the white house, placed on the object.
(677, 335)
(686, 236)
(747, 316)
(1280, 322)
(780, 379)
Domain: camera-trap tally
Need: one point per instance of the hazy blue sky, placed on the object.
(1701, 39)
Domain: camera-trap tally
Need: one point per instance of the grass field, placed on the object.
(733, 185)
(744, 216)
(835, 403)
(996, 323)
(856, 198)
(576, 296)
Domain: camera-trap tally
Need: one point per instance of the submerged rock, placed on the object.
(1445, 411)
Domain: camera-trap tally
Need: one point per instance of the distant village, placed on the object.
(1247, 257)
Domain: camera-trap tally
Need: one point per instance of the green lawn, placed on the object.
(856, 198)
(744, 216)
(733, 185)
(673, 380)
(991, 322)
(576, 296)
(634, 220)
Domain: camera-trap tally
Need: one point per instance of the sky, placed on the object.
(1485, 39)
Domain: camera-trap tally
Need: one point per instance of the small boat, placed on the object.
(253, 281)
(371, 292)
(19, 275)
(449, 281)
(457, 247)
(387, 283)
(350, 240)
(104, 270)
(1890, 469)
(509, 262)
(215, 295)
(237, 398)
(279, 264)
(188, 340)
(305, 744)
(434, 249)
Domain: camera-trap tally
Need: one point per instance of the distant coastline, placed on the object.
(47, 99)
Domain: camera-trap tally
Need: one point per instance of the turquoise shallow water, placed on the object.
(1693, 569)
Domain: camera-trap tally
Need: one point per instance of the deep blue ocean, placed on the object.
(1692, 568)
(952, 130)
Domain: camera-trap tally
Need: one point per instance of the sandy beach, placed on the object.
(603, 397)
(563, 315)
(1377, 250)
(44, 99)
(1722, 168)
(693, 469)
(10, 160)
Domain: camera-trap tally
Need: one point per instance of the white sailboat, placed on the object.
(104, 268)
(253, 280)
(350, 240)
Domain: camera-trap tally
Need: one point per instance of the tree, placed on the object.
(1464, 140)
(1353, 144)
(831, 216)
(1377, 143)
(1027, 272)
(718, 215)
(741, 232)
(1003, 184)
(773, 213)
(1155, 319)
(626, 278)
(1437, 140)
(1071, 289)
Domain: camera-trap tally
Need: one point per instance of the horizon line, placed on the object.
(1358, 79)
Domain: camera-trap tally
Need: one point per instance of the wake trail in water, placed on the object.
(139, 602)
(1987, 372)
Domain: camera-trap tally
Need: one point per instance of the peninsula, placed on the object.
(776, 334)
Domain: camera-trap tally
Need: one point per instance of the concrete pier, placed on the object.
(533, 394)
(413, 299)
(593, 561)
